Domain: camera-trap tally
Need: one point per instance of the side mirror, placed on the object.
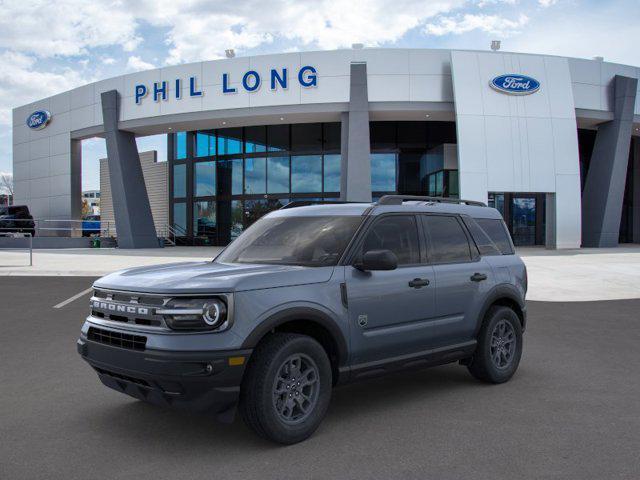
(378, 260)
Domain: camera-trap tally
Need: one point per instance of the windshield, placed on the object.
(305, 241)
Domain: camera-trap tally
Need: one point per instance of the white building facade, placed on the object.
(550, 141)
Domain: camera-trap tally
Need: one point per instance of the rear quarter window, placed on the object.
(497, 232)
(485, 245)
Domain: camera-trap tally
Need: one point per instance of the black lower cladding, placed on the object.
(195, 381)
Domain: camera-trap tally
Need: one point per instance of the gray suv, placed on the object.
(310, 297)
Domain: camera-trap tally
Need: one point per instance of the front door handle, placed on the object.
(419, 282)
(478, 277)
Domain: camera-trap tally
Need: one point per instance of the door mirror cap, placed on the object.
(377, 260)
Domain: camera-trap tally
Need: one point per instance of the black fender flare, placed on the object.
(300, 313)
(499, 292)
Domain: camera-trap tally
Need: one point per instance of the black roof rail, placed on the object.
(399, 199)
(306, 203)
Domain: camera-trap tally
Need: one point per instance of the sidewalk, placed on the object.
(554, 275)
(96, 262)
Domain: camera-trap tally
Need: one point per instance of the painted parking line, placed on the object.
(75, 297)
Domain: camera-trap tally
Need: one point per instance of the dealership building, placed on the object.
(552, 142)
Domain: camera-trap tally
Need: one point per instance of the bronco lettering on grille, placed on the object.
(119, 308)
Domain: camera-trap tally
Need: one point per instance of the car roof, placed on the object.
(414, 206)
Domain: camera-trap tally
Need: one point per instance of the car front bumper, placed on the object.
(196, 381)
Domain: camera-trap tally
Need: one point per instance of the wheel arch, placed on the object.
(504, 295)
(307, 321)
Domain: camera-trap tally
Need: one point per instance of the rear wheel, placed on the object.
(287, 388)
(499, 346)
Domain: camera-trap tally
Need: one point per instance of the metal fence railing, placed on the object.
(57, 228)
(20, 235)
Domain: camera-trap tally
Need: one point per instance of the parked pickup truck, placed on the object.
(312, 297)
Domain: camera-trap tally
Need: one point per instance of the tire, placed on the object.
(496, 359)
(265, 405)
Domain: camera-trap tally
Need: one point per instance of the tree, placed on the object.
(6, 183)
(86, 209)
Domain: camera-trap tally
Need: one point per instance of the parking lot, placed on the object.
(571, 411)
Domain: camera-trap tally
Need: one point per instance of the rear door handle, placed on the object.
(419, 282)
(478, 277)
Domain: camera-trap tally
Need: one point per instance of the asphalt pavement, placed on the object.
(571, 411)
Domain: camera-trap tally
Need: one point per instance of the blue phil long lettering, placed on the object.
(250, 81)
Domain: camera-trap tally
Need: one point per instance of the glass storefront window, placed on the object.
(237, 218)
(331, 136)
(204, 218)
(204, 179)
(306, 137)
(230, 177)
(278, 137)
(383, 172)
(255, 139)
(454, 189)
(383, 135)
(255, 175)
(306, 173)
(278, 175)
(229, 141)
(180, 146)
(332, 173)
(180, 218)
(205, 144)
(180, 180)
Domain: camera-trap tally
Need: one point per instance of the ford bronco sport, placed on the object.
(311, 297)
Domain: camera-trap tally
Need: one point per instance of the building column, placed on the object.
(604, 188)
(550, 221)
(131, 209)
(635, 178)
(355, 180)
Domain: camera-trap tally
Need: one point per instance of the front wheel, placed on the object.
(499, 346)
(287, 388)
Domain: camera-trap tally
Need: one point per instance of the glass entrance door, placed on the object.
(523, 220)
(524, 214)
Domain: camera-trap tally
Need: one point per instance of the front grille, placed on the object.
(128, 297)
(117, 339)
(131, 308)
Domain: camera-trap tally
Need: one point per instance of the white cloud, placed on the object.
(135, 64)
(21, 83)
(547, 3)
(327, 24)
(66, 27)
(493, 24)
(607, 35)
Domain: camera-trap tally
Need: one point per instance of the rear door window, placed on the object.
(497, 232)
(448, 243)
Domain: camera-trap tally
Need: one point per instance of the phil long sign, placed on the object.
(515, 84)
(251, 81)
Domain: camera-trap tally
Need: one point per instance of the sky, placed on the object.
(47, 47)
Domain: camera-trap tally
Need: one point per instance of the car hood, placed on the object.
(211, 277)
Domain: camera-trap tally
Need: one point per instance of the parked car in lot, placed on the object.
(308, 298)
(16, 219)
(91, 225)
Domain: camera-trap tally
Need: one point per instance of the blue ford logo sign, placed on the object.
(38, 119)
(515, 84)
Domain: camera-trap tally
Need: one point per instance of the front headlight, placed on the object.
(195, 314)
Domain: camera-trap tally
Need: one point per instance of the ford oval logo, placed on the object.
(515, 84)
(38, 119)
